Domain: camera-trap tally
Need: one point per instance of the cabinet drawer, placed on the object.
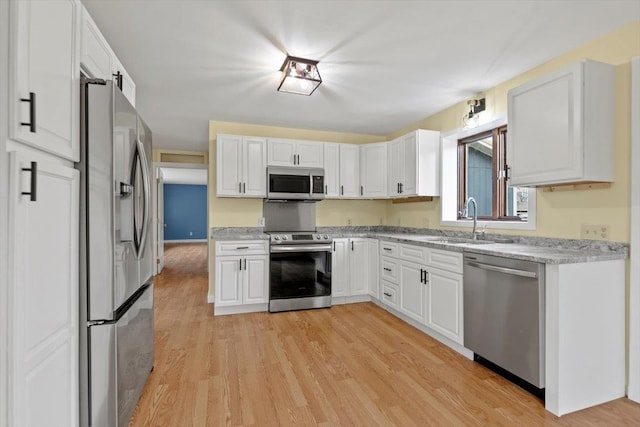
(389, 269)
(389, 249)
(445, 260)
(412, 253)
(389, 294)
(242, 247)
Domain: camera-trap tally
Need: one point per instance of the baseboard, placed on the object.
(211, 298)
(240, 309)
(187, 241)
(350, 299)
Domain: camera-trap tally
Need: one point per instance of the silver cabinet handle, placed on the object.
(512, 271)
(242, 247)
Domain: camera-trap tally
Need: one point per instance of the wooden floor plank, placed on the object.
(348, 365)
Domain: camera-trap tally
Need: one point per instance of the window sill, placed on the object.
(490, 225)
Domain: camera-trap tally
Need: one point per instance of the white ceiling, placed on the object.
(184, 176)
(384, 64)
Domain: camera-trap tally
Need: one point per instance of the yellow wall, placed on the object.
(558, 214)
(227, 212)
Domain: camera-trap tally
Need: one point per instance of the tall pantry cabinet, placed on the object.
(39, 145)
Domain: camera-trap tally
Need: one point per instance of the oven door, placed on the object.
(300, 277)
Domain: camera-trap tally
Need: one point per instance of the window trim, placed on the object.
(449, 182)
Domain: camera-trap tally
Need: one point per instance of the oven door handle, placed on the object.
(301, 248)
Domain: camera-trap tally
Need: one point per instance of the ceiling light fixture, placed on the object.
(299, 76)
(476, 106)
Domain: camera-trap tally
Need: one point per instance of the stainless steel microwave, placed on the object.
(288, 183)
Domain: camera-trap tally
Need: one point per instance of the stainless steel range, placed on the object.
(300, 271)
(300, 258)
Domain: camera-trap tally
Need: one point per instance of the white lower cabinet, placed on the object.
(412, 290)
(241, 277)
(443, 300)
(354, 267)
(43, 306)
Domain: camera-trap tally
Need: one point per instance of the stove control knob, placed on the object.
(318, 237)
(276, 237)
(284, 237)
(326, 237)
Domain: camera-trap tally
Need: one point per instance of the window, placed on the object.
(482, 166)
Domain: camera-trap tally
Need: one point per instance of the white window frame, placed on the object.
(449, 182)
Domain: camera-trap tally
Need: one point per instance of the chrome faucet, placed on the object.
(475, 214)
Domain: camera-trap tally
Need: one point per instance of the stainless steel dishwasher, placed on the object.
(504, 316)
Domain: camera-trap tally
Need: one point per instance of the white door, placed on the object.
(412, 291)
(44, 332)
(373, 170)
(310, 154)
(228, 281)
(349, 170)
(229, 165)
(358, 266)
(340, 268)
(331, 170)
(281, 152)
(254, 157)
(44, 86)
(95, 55)
(443, 300)
(256, 279)
(410, 162)
(396, 166)
(160, 223)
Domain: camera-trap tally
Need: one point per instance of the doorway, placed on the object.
(181, 207)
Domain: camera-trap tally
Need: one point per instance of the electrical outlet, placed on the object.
(594, 231)
(348, 221)
(261, 222)
(425, 222)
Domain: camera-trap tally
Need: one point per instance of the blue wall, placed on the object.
(185, 211)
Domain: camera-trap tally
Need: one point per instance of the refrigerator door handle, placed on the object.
(146, 196)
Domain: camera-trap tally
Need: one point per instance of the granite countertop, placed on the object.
(537, 249)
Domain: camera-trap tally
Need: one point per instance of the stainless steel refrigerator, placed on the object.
(116, 293)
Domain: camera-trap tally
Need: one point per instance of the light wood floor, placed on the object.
(348, 365)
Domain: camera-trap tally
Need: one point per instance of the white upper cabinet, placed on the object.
(349, 171)
(44, 75)
(241, 166)
(289, 152)
(414, 164)
(373, 170)
(98, 60)
(331, 170)
(561, 126)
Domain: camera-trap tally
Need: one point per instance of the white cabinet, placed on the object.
(241, 276)
(444, 303)
(288, 152)
(44, 292)
(414, 164)
(373, 170)
(349, 171)
(331, 170)
(44, 75)
(98, 60)
(561, 126)
(241, 166)
(354, 266)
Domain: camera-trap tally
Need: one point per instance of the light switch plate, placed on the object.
(594, 231)
(261, 222)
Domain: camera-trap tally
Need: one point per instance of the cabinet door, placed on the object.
(340, 268)
(373, 266)
(45, 63)
(228, 165)
(373, 170)
(410, 162)
(254, 170)
(280, 152)
(331, 170)
(349, 170)
(95, 55)
(545, 125)
(256, 279)
(43, 257)
(228, 281)
(444, 303)
(412, 291)
(395, 166)
(310, 154)
(358, 266)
